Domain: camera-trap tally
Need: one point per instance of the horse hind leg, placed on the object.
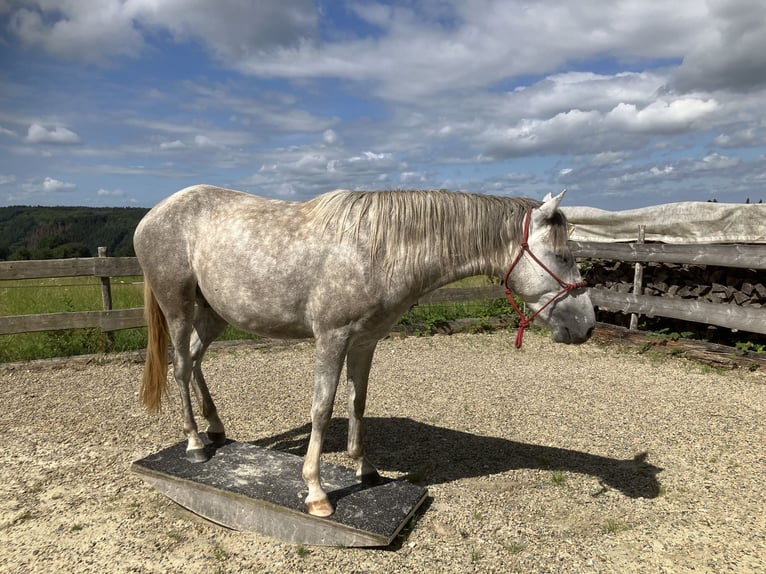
(207, 326)
(179, 312)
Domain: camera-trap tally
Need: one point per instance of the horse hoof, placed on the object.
(217, 438)
(197, 455)
(320, 508)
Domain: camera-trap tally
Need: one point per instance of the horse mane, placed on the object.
(404, 226)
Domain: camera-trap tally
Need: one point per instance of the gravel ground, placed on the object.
(547, 459)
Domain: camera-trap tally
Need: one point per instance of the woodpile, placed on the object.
(744, 287)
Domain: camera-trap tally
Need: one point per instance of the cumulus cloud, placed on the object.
(204, 141)
(732, 55)
(175, 144)
(661, 116)
(747, 137)
(330, 137)
(110, 192)
(48, 185)
(89, 31)
(38, 134)
(309, 171)
(591, 130)
(97, 31)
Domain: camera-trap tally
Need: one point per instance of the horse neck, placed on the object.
(462, 252)
(435, 272)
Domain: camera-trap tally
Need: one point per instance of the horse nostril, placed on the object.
(589, 334)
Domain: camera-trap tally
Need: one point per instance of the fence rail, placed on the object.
(749, 319)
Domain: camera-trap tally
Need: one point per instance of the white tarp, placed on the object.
(687, 222)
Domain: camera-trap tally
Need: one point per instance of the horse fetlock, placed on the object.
(217, 438)
(366, 472)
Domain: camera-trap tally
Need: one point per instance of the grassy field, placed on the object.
(66, 294)
(28, 297)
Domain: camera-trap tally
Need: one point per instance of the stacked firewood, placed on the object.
(746, 287)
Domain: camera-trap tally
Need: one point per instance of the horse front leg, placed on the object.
(330, 351)
(358, 365)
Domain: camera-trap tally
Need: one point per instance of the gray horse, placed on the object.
(342, 268)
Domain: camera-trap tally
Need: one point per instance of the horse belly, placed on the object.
(271, 311)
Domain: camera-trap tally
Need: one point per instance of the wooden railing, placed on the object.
(725, 315)
(103, 267)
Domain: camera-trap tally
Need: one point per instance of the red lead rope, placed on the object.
(524, 321)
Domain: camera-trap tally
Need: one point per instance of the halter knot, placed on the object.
(566, 287)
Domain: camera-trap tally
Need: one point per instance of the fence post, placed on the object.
(638, 278)
(106, 300)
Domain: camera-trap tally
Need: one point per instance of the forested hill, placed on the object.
(62, 232)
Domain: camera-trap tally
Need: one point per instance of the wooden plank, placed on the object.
(742, 256)
(118, 319)
(39, 269)
(76, 267)
(247, 487)
(751, 319)
(638, 276)
(117, 267)
(105, 320)
(717, 355)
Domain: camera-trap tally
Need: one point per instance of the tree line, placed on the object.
(64, 232)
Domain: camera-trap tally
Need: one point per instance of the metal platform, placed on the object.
(247, 487)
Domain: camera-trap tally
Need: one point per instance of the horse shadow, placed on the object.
(429, 454)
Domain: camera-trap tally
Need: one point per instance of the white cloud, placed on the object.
(7, 132)
(98, 31)
(732, 54)
(661, 116)
(204, 141)
(6, 179)
(591, 131)
(80, 30)
(175, 144)
(38, 134)
(48, 185)
(308, 171)
(741, 138)
(110, 192)
(330, 137)
(608, 158)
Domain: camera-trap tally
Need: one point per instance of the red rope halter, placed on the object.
(524, 320)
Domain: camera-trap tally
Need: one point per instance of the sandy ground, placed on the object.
(547, 459)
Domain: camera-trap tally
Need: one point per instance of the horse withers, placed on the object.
(342, 268)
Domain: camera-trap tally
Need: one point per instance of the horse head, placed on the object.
(546, 277)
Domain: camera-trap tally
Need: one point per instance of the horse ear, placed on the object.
(550, 205)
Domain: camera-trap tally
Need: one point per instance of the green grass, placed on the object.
(612, 526)
(558, 477)
(69, 294)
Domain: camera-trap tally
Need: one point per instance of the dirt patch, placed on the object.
(547, 459)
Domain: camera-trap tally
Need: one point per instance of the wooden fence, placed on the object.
(751, 319)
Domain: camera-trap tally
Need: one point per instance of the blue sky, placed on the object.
(625, 103)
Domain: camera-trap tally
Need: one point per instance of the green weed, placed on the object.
(558, 478)
(612, 526)
(514, 547)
